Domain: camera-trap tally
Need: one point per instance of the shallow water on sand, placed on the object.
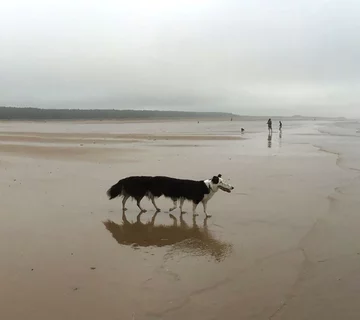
(283, 245)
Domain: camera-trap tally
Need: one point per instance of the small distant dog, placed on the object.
(138, 187)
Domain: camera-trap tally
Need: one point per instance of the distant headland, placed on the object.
(39, 114)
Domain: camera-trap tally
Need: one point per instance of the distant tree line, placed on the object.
(15, 113)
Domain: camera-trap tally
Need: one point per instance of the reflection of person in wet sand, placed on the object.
(181, 237)
(269, 140)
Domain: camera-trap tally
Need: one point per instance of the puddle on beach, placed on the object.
(179, 236)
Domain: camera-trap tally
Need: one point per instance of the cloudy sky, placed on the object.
(269, 57)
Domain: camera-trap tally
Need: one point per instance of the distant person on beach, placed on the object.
(242, 130)
(269, 123)
(280, 125)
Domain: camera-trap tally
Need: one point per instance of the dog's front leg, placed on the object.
(205, 206)
(194, 209)
(181, 205)
(153, 202)
(138, 204)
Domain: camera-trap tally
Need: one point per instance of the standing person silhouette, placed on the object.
(269, 123)
(280, 125)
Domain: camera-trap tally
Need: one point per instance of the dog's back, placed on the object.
(134, 186)
(137, 186)
(178, 188)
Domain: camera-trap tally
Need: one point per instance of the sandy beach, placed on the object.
(285, 244)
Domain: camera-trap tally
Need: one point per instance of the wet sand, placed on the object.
(283, 245)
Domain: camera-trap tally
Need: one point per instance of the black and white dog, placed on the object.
(138, 187)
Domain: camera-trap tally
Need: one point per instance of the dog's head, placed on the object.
(217, 182)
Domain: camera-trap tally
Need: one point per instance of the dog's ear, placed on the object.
(219, 175)
(215, 180)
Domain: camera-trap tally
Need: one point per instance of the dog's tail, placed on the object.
(115, 190)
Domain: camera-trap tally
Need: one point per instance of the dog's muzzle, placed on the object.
(228, 190)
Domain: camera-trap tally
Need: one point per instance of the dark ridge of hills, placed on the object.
(20, 113)
(39, 114)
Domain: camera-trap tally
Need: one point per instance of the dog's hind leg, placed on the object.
(175, 204)
(138, 204)
(125, 198)
(181, 205)
(152, 198)
(194, 209)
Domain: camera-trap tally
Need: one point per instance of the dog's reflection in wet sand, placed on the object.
(181, 237)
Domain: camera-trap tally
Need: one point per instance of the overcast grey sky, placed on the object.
(249, 57)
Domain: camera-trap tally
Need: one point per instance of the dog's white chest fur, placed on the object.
(208, 196)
